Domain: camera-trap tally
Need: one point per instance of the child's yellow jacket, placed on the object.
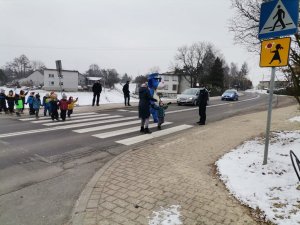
(72, 104)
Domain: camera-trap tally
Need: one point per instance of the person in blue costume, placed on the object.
(153, 82)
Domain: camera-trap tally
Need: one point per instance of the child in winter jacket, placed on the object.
(30, 103)
(3, 101)
(22, 96)
(36, 103)
(71, 105)
(54, 107)
(46, 104)
(63, 105)
(19, 104)
(161, 113)
(11, 101)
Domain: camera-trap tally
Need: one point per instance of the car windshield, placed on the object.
(190, 92)
(229, 92)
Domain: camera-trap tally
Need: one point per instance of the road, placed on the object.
(45, 165)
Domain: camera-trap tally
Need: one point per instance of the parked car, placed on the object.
(230, 95)
(188, 96)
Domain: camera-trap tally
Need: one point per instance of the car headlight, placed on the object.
(191, 98)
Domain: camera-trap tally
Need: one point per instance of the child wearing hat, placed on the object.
(54, 107)
(19, 105)
(71, 105)
(10, 98)
(63, 105)
(46, 104)
(3, 101)
(30, 103)
(36, 104)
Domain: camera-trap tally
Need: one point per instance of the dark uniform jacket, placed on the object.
(144, 103)
(203, 97)
(126, 89)
(97, 88)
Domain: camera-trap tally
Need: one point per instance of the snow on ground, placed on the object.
(257, 91)
(166, 216)
(273, 188)
(85, 98)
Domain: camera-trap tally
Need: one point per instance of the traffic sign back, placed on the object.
(278, 18)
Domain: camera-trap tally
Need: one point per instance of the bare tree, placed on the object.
(245, 23)
(37, 65)
(245, 26)
(20, 67)
(93, 71)
(189, 61)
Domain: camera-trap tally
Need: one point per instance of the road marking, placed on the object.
(124, 131)
(145, 137)
(69, 119)
(45, 118)
(64, 127)
(43, 159)
(210, 106)
(51, 123)
(106, 127)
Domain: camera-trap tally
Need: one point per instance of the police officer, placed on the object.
(202, 102)
(97, 89)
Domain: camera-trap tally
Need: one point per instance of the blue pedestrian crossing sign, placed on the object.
(278, 18)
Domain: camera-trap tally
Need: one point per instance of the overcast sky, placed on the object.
(131, 36)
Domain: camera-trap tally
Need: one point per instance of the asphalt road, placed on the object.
(44, 165)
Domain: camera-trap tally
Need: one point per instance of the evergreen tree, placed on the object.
(216, 76)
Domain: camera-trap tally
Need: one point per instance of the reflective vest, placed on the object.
(19, 104)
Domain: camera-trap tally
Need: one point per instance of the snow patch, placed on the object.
(168, 216)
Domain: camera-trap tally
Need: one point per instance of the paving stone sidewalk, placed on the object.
(178, 170)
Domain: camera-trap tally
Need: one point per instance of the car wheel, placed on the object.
(178, 103)
(195, 103)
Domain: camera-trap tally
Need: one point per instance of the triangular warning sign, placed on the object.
(279, 20)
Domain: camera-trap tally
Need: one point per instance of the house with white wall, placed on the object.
(34, 79)
(67, 82)
(172, 84)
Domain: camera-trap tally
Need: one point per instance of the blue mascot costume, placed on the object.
(153, 82)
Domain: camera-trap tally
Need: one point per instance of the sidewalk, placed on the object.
(177, 171)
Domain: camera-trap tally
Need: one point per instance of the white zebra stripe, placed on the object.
(45, 118)
(124, 131)
(145, 137)
(51, 123)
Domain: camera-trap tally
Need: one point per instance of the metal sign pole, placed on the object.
(269, 116)
(59, 71)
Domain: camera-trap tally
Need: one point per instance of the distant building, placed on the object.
(172, 84)
(280, 81)
(68, 82)
(91, 80)
(34, 79)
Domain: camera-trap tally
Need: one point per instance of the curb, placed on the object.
(81, 204)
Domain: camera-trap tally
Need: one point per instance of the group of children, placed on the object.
(14, 103)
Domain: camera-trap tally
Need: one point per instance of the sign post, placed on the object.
(59, 70)
(277, 18)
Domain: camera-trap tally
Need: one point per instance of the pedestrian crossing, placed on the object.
(101, 126)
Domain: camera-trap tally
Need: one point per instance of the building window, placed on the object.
(174, 78)
(174, 87)
(51, 75)
(166, 78)
(51, 83)
(166, 87)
